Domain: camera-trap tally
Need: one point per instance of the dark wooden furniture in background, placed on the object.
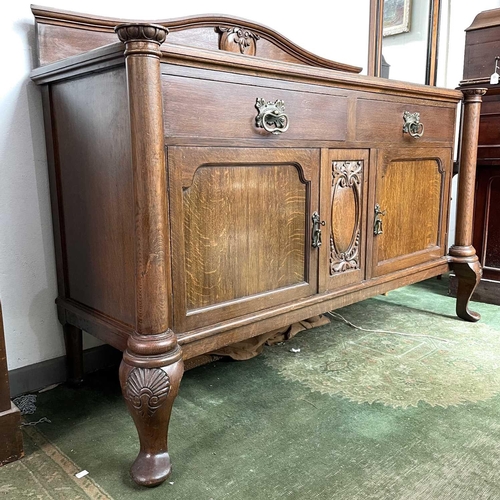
(11, 439)
(226, 183)
(482, 46)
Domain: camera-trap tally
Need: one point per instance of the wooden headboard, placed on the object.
(62, 34)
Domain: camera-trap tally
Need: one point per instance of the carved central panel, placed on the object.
(347, 179)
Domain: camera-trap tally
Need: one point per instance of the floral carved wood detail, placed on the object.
(345, 234)
(147, 389)
(238, 39)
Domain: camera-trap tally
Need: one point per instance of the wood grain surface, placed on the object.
(244, 230)
(191, 105)
(410, 193)
(241, 220)
(94, 173)
(412, 188)
(383, 121)
(62, 34)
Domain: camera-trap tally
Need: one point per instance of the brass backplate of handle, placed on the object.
(316, 230)
(377, 223)
(412, 125)
(271, 116)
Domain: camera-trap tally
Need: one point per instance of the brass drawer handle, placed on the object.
(412, 124)
(271, 116)
(377, 223)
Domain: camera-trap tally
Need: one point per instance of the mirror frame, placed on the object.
(376, 34)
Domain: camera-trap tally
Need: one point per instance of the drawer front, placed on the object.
(383, 121)
(225, 110)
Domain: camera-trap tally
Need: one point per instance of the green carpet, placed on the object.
(353, 415)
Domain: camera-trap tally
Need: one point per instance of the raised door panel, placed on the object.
(343, 207)
(410, 208)
(241, 230)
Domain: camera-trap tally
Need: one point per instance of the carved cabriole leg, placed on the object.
(150, 384)
(462, 255)
(152, 365)
(469, 276)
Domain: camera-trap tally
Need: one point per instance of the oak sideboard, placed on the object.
(212, 181)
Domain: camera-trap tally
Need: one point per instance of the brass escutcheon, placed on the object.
(377, 223)
(316, 230)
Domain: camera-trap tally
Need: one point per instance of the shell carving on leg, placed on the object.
(147, 389)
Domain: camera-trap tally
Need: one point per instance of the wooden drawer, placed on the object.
(222, 109)
(382, 121)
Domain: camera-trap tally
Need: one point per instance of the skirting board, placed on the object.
(53, 371)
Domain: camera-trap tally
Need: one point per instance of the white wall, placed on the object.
(27, 267)
(27, 272)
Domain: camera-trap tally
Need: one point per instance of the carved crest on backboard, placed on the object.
(237, 39)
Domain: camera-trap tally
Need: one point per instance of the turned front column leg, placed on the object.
(149, 386)
(462, 255)
(152, 366)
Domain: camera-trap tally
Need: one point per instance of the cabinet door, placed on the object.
(409, 209)
(241, 230)
(343, 207)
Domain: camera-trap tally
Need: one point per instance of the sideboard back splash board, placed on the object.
(213, 181)
(228, 33)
